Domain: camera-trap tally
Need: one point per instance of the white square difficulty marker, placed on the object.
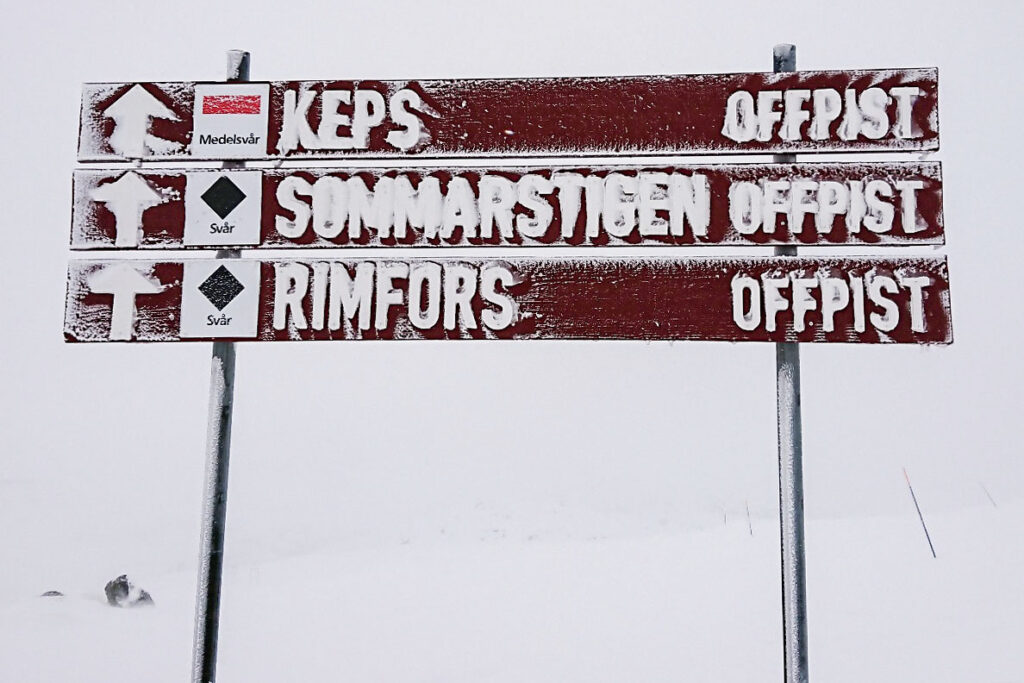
(220, 299)
(229, 120)
(223, 208)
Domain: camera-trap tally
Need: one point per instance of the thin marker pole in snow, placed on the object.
(919, 515)
(750, 527)
(791, 477)
(218, 448)
(990, 498)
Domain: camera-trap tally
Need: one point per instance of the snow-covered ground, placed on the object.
(507, 601)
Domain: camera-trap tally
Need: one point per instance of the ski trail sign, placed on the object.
(875, 204)
(807, 111)
(780, 299)
(871, 300)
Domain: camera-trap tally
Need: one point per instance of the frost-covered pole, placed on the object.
(791, 469)
(218, 449)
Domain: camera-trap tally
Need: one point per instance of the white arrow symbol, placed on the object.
(124, 283)
(127, 198)
(131, 113)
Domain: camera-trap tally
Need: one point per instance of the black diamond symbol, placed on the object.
(221, 288)
(223, 196)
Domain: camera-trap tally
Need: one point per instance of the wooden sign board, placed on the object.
(757, 299)
(750, 204)
(805, 111)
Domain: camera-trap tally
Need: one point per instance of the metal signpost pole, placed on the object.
(791, 476)
(218, 446)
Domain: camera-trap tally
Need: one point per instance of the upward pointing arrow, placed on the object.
(127, 198)
(131, 113)
(125, 283)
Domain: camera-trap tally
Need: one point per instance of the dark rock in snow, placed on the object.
(123, 593)
(52, 594)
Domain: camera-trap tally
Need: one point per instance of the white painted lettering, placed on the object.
(570, 189)
(690, 201)
(291, 282)
(803, 300)
(367, 112)
(490, 277)
(828, 105)
(403, 103)
(287, 198)
(350, 297)
(835, 296)
(459, 288)
(774, 301)
(916, 286)
(878, 287)
(744, 289)
(424, 278)
(740, 118)
(421, 208)
(905, 97)
(619, 215)
(530, 189)
(794, 113)
(908, 190)
(330, 206)
(331, 119)
(745, 207)
(654, 197)
(295, 128)
(497, 201)
(387, 295)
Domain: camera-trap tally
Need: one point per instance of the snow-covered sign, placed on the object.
(751, 299)
(806, 111)
(748, 204)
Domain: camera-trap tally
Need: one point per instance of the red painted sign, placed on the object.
(758, 299)
(748, 204)
(231, 104)
(804, 111)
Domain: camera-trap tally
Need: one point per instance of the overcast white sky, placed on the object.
(354, 441)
